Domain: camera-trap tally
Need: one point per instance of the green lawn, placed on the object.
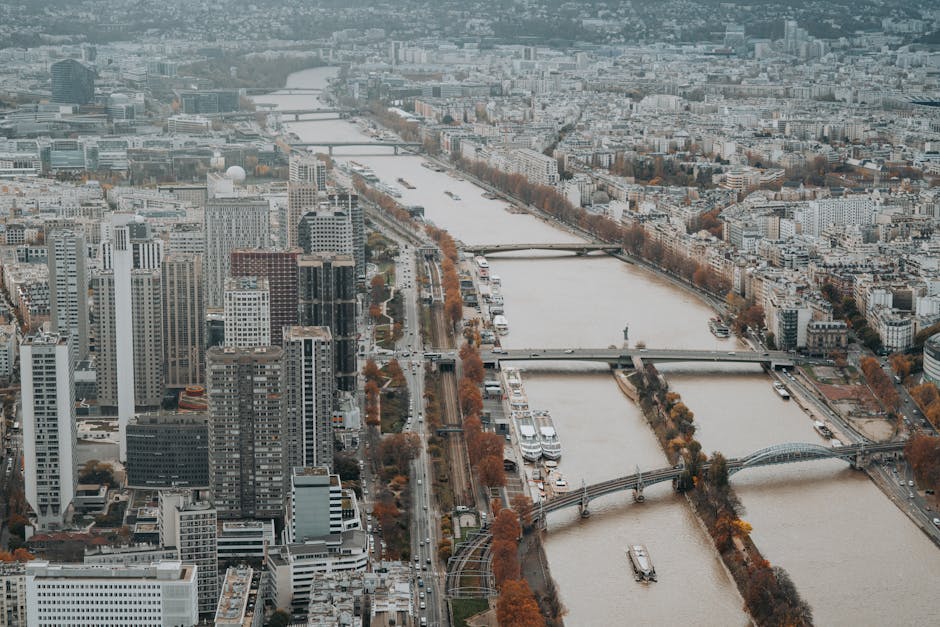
(465, 608)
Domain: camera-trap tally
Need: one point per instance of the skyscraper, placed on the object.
(68, 288)
(247, 443)
(302, 197)
(336, 226)
(231, 223)
(308, 394)
(327, 290)
(247, 312)
(188, 524)
(184, 321)
(125, 327)
(305, 167)
(280, 269)
(48, 426)
(72, 82)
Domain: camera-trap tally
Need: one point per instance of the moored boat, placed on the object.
(782, 390)
(718, 328)
(548, 437)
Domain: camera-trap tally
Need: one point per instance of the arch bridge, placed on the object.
(579, 248)
(858, 455)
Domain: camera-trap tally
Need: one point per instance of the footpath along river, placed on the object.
(853, 556)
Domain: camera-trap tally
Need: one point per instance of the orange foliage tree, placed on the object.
(517, 607)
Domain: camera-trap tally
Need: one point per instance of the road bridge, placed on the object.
(296, 113)
(397, 145)
(858, 455)
(581, 248)
(624, 357)
(289, 91)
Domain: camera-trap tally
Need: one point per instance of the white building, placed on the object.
(536, 167)
(326, 230)
(238, 603)
(8, 342)
(817, 215)
(189, 525)
(309, 391)
(305, 167)
(896, 329)
(85, 595)
(316, 507)
(247, 306)
(290, 567)
(245, 539)
(231, 223)
(67, 254)
(49, 434)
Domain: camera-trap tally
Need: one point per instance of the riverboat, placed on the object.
(501, 324)
(823, 430)
(642, 564)
(529, 444)
(718, 328)
(782, 390)
(548, 437)
(406, 184)
(431, 166)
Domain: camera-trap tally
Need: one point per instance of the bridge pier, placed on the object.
(396, 150)
(329, 150)
(638, 490)
(584, 503)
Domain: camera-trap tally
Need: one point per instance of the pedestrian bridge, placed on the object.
(581, 248)
(858, 455)
(624, 357)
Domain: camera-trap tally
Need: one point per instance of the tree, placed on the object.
(516, 606)
(505, 561)
(395, 373)
(718, 471)
(491, 472)
(471, 400)
(279, 618)
(506, 525)
(371, 370)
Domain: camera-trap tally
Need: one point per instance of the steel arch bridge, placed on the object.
(789, 453)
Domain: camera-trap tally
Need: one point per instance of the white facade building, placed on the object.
(247, 305)
(90, 595)
(231, 223)
(68, 287)
(309, 391)
(49, 434)
(189, 525)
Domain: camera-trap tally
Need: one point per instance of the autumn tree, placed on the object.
(517, 607)
(370, 371)
(471, 400)
(490, 471)
(395, 373)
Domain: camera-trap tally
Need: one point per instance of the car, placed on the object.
(420, 582)
(497, 349)
(421, 595)
(423, 605)
(568, 351)
(428, 540)
(421, 543)
(424, 567)
(417, 559)
(910, 495)
(936, 521)
(429, 560)
(533, 355)
(910, 484)
(425, 508)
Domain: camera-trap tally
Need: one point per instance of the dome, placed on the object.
(236, 173)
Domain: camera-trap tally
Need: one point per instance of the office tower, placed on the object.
(231, 223)
(335, 227)
(68, 288)
(247, 312)
(316, 503)
(247, 445)
(72, 82)
(48, 390)
(302, 197)
(88, 595)
(129, 319)
(184, 321)
(308, 395)
(168, 450)
(305, 167)
(280, 269)
(327, 291)
(189, 524)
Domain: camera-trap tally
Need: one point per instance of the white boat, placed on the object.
(529, 444)
(641, 562)
(557, 482)
(782, 390)
(501, 324)
(548, 437)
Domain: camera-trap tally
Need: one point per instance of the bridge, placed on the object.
(331, 145)
(624, 357)
(582, 248)
(289, 91)
(249, 115)
(857, 455)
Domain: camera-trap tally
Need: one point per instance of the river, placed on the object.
(853, 556)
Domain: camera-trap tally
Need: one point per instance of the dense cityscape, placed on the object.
(507, 313)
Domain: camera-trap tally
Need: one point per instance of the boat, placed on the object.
(718, 328)
(823, 430)
(782, 390)
(501, 324)
(432, 166)
(548, 437)
(642, 564)
(557, 482)
(529, 444)
(405, 183)
(447, 192)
